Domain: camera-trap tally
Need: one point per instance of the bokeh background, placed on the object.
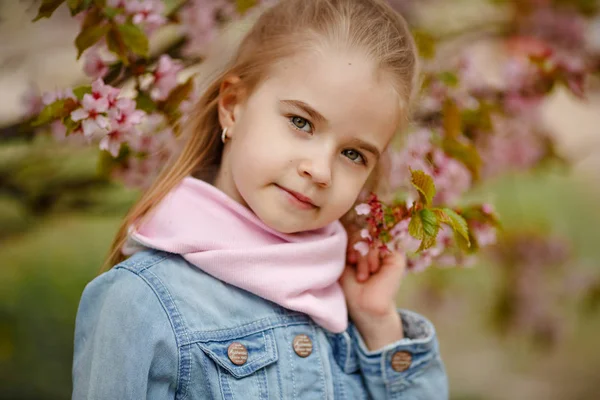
(58, 217)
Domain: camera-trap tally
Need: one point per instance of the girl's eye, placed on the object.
(301, 124)
(354, 156)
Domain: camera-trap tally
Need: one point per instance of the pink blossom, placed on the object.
(452, 179)
(102, 90)
(125, 115)
(363, 209)
(199, 22)
(362, 248)
(94, 66)
(364, 233)
(32, 101)
(52, 96)
(165, 77)
(112, 141)
(148, 13)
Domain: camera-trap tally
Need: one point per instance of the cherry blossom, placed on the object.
(199, 23)
(94, 66)
(165, 77)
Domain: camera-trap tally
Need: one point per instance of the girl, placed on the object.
(236, 285)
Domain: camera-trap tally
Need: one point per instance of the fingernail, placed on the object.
(362, 276)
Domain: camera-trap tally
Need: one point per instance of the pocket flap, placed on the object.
(260, 347)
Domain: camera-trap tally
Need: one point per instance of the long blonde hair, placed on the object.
(290, 26)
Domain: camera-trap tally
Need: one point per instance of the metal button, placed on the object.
(303, 345)
(401, 361)
(237, 353)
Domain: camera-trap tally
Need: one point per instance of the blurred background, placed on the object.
(521, 323)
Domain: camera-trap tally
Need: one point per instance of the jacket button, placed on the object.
(401, 361)
(303, 345)
(237, 353)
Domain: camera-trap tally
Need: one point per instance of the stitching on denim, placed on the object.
(206, 372)
(179, 327)
(144, 263)
(243, 330)
(317, 353)
(176, 320)
(224, 386)
(291, 360)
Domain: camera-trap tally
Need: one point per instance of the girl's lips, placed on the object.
(301, 199)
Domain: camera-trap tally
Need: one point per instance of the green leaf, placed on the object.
(74, 6)
(244, 5)
(452, 119)
(456, 222)
(449, 78)
(117, 46)
(465, 153)
(47, 8)
(425, 226)
(431, 224)
(58, 109)
(111, 12)
(145, 102)
(177, 95)
(80, 91)
(134, 38)
(425, 43)
(89, 36)
(424, 184)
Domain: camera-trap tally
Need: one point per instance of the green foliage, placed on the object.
(58, 109)
(244, 5)
(424, 185)
(134, 38)
(47, 8)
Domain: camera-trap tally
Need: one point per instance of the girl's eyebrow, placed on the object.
(319, 118)
(314, 114)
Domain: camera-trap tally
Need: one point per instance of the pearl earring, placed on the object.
(224, 135)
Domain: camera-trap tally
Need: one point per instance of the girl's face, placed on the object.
(304, 142)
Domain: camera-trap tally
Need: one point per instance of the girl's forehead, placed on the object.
(345, 87)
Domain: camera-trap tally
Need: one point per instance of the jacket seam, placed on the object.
(151, 281)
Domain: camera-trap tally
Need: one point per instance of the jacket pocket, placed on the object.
(241, 360)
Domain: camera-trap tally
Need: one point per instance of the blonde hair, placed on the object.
(283, 30)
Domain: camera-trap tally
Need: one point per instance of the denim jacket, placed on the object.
(156, 327)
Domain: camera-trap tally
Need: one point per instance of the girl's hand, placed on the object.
(371, 285)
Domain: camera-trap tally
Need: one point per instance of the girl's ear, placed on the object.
(230, 98)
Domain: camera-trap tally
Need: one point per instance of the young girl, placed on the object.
(236, 285)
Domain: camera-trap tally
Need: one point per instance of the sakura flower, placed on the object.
(52, 96)
(363, 209)
(125, 115)
(112, 141)
(94, 66)
(199, 22)
(92, 114)
(362, 248)
(102, 90)
(165, 77)
(32, 101)
(364, 233)
(147, 13)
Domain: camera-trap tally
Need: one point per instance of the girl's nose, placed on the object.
(318, 170)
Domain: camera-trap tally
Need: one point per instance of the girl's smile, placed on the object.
(297, 199)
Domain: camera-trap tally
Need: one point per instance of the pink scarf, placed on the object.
(226, 240)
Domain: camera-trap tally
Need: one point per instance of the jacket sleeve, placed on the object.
(125, 347)
(410, 368)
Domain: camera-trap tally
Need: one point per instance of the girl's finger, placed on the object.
(373, 260)
(362, 269)
(352, 256)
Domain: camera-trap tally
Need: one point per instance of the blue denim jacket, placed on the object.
(156, 327)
